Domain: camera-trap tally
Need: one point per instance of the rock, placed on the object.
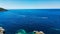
(21, 31)
(39, 32)
(1, 30)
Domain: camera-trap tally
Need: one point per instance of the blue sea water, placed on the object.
(46, 20)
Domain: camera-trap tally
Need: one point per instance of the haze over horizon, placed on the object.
(30, 4)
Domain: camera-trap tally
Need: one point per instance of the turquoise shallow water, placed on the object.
(47, 20)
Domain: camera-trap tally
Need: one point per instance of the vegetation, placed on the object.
(2, 9)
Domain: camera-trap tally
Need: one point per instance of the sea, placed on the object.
(46, 20)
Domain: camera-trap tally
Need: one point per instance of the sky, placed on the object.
(30, 4)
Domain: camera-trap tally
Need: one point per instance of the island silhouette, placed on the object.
(2, 9)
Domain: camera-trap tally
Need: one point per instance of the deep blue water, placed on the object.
(47, 20)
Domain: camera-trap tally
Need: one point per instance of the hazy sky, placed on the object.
(29, 4)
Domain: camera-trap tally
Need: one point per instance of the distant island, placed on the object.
(2, 9)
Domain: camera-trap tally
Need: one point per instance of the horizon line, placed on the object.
(34, 8)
